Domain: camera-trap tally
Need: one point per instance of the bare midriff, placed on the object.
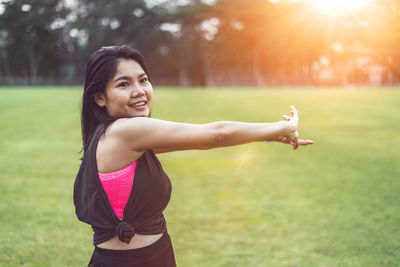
(137, 241)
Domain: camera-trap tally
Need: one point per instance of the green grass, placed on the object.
(335, 203)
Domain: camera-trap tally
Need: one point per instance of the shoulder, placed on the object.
(127, 131)
(128, 126)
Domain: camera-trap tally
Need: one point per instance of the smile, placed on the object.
(141, 103)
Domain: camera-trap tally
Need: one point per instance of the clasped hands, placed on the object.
(292, 135)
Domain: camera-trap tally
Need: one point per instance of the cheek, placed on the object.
(149, 93)
(123, 95)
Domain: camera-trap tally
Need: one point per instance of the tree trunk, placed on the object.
(208, 72)
(183, 77)
(257, 69)
(32, 66)
(6, 68)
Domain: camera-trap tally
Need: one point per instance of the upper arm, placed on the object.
(141, 133)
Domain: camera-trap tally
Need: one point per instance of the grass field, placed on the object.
(335, 203)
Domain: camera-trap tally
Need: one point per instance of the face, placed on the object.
(126, 91)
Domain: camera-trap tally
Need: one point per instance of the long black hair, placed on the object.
(101, 67)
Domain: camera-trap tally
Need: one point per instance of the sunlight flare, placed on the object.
(338, 6)
(244, 159)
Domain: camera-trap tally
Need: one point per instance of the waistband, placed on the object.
(138, 255)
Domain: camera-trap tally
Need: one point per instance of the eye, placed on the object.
(144, 79)
(123, 84)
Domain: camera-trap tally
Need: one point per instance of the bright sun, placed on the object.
(336, 7)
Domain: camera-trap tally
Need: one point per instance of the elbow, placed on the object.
(219, 135)
(215, 142)
(219, 140)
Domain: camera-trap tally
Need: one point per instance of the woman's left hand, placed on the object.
(293, 138)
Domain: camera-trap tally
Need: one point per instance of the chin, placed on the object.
(143, 115)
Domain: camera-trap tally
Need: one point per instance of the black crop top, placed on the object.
(143, 213)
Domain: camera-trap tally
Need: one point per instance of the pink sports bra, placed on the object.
(118, 187)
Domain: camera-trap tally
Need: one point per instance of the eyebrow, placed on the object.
(129, 78)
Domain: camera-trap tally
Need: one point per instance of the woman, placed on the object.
(121, 189)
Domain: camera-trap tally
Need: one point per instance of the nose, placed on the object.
(137, 91)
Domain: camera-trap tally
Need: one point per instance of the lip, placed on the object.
(132, 105)
(140, 107)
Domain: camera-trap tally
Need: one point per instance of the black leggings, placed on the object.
(158, 254)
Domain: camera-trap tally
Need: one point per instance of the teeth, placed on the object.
(139, 104)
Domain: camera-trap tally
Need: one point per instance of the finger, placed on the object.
(286, 117)
(306, 142)
(285, 140)
(294, 112)
(292, 139)
(295, 146)
(294, 142)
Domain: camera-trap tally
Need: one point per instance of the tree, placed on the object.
(27, 41)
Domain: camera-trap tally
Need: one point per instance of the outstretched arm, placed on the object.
(231, 133)
(142, 133)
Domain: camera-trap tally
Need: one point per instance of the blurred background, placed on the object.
(335, 203)
(207, 43)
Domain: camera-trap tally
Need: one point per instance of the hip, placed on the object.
(159, 253)
(137, 241)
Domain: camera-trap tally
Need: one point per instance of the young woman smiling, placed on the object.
(121, 189)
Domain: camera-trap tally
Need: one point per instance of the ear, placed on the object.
(100, 99)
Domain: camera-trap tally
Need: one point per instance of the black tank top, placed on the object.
(143, 213)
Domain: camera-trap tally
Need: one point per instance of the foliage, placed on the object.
(28, 39)
(272, 42)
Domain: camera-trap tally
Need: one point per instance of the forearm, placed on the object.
(235, 133)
